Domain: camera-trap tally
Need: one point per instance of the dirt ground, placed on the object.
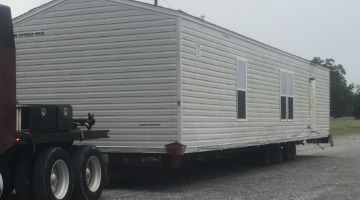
(332, 173)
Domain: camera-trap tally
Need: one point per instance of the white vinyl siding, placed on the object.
(114, 60)
(198, 50)
(210, 103)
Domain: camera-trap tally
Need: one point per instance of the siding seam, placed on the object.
(179, 79)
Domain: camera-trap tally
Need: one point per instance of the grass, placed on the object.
(344, 126)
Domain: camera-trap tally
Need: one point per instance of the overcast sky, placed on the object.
(307, 28)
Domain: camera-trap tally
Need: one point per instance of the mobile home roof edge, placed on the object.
(179, 13)
(174, 13)
(36, 10)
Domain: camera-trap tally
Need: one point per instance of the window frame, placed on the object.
(244, 90)
(287, 96)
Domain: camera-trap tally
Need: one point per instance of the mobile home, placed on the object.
(155, 77)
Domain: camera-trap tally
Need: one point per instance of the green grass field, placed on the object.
(345, 126)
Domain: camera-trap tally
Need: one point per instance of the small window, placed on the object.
(286, 95)
(291, 107)
(283, 107)
(241, 104)
(241, 88)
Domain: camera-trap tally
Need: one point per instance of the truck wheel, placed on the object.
(88, 168)
(1, 185)
(23, 175)
(54, 176)
(6, 182)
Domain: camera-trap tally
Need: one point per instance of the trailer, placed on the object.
(37, 155)
(169, 86)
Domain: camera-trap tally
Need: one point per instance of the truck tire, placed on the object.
(54, 175)
(23, 175)
(89, 169)
(6, 181)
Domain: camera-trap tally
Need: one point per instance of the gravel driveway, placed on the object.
(333, 173)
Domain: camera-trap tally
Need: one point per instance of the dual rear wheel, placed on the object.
(88, 169)
(271, 154)
(54, 175)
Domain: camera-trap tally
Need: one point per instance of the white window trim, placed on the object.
(287, 100)
(237, 100)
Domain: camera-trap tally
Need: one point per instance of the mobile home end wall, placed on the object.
(115, 60)
(209, 112)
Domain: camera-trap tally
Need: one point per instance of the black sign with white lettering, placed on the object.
(29, 34)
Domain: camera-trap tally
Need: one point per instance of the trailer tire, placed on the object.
(265, 155)
(6, 180)
(276, 154)
(293, 151)
(89, 169)
(23, 175)
(55, 178)
(287, 152)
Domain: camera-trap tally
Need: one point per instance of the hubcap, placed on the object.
(54, 180)
(88, 174)
(93, 174)
(59, 179)
(1, 184)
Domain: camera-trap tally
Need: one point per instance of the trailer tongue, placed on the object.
(37, 155)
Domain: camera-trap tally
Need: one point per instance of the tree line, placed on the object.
(344, 97)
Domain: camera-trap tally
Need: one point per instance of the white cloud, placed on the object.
(20, 7)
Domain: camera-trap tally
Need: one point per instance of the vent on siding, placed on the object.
(198, 50)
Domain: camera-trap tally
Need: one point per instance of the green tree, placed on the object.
(356, 103)
(341, 95)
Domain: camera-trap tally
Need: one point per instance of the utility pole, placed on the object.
(156, 2)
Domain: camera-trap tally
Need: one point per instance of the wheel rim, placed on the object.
(93, 173)
(59, 179)
(1, 184)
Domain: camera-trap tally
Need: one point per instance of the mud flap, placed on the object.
(176, 153)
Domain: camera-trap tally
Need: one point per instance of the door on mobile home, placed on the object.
(313, 104)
